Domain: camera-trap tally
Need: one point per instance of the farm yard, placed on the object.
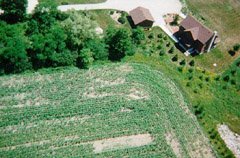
(112, 110)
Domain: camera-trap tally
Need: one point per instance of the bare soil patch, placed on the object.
(174, 143)
(231, 139)
(122, 142)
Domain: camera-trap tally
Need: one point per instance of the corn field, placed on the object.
(64, 112)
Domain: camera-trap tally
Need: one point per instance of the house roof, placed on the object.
(198, 31)
(140, 14)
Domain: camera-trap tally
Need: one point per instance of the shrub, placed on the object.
(175, 20)
(162, 52)
(226, 78)
(233, 72)
(138, 35)
(85, 58)
(165, 38)
(64, 3)
(217, 78)
(207, 79)
(122, 20)
(180, 69)
(171, 50)
(168, 44)
(192, 63)
(233, 82)
(175, 58)
(190, 77)
(151, 36)
(236, 47)
(160, 35)
(232, 52)
(188, 84)
(183, 62)
(190, 70)
(111, 12)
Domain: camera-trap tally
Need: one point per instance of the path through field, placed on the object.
(116, 110)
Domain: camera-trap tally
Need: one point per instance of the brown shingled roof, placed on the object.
(140, 14)
(198, 31)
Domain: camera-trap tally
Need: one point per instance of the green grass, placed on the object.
(46, 114)
(64, 2)
(103, 18)
(219, 99)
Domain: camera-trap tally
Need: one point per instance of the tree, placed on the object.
(14, 10)
(79, 29)
(98, 48)
(49, 49)
(175, 58)
(44, 16)
(119, 43)
(13, 45)
(192, 63)
(85, 58)
(138, 35)
(236, 47)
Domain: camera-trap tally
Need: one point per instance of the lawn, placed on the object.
(99, 112)
(224, 17)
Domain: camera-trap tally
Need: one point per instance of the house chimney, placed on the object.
(212, 41)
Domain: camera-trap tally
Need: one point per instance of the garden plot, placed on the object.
(135, 111)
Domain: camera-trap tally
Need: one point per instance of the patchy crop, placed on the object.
(104, 111)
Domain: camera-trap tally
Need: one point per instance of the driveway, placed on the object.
(158, 8)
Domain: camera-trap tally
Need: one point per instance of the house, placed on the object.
(195, 37)
(141, 17)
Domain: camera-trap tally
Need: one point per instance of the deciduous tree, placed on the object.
(14, 10)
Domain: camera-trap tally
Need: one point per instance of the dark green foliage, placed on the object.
(85, 58)
(192, 63)
(232, 52)
(180, 69)
(119, 43)
(160, 35)
(151, 36)
(233, 82)
(122, 20)
(183, 62)
(175, 20)
(175, 58)
(198, 110)
(171, 50)
(45, 15)
(162, 52)
(98, 48)
(50, 49)
(13, 45)
(111, 12)
(236, 47)
(226, 78)
(138, 35)
(217, 78)
(14, 10)
(207, 79)
(168, 44)
(190, 70)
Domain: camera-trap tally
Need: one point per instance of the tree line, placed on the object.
(50, 38)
